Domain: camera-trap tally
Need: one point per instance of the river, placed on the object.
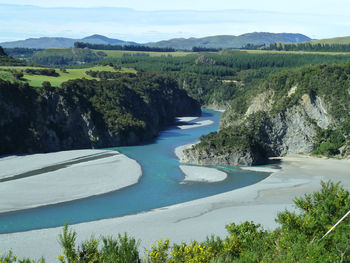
(160, 185)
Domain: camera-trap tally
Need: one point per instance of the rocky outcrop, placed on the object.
(293, 131)
(211, 157)
(278, 132)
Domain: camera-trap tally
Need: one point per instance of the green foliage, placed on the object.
(12, 258)
(120, 250)
(120, 47)
(21, 53)
(45, 72)
(296, 240)
(240, 138)
(61, 57)
(106, 74)
(310, 47)
(6, 60)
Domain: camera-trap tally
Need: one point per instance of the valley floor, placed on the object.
(196, 219)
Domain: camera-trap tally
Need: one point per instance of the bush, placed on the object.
(123, 249)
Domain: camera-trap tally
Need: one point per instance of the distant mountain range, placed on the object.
(227, 41)
(224, 41)
(61, 42)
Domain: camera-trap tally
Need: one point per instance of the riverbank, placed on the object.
(197, 219)
(43, 179)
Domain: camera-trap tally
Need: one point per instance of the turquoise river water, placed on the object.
(160, 185)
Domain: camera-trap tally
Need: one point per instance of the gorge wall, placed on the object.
(89, 114)
(300, 111)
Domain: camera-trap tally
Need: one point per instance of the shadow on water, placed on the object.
(161, 185)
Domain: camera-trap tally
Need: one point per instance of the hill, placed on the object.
(61, 42)
(225, 41)
(99, 39)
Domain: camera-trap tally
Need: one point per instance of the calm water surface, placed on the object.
(159, 186)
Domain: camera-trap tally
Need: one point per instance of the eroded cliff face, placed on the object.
(291, 130)
(210, 157)
(294, 130)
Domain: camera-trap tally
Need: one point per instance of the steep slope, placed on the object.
(299, 111)
(6, 60)
(88, 113)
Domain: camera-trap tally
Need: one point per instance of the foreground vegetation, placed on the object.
(297, 239)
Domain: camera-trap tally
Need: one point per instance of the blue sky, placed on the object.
(145, 21)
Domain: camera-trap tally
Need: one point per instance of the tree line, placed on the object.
(124, 47)
(309, 47)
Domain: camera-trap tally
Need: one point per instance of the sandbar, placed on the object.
(185, 123)
(202, 174)
(45, 179)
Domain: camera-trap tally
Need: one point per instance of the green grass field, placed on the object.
(37, 80)
(119, 53)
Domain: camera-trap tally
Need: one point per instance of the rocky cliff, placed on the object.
(89, 114)
(301, 111)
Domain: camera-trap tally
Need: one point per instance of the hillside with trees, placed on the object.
(304, 110)
(6, 60)
(89, 113)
